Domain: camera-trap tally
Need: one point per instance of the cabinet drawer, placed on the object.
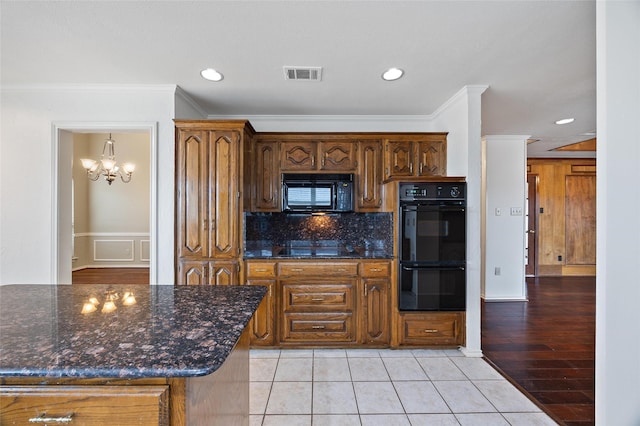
(438, 328)
(261, 270)
(332, 269)
(318, 327)
(324, 297)
(375, 269)
(84, 405)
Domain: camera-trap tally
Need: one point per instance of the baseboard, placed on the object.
(128, 265)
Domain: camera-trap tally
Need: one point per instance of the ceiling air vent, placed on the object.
(303, 73)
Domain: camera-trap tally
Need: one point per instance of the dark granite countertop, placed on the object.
(305, 250)
(170, 331)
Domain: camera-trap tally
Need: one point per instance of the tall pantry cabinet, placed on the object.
(209, 168)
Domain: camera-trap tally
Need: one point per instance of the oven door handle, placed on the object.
(432, 268)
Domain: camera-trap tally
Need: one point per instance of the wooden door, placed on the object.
(267, 177)
(376, 315)
(223, 195)
(192, 272)
(223, 273)
(262, 325)
(580, 219)
(369, 176)
(192, 170)
(338, 155)
(298, 156)
(531, 268)
(432, 158)
(398, 159)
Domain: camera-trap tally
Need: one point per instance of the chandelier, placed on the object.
(107, 165)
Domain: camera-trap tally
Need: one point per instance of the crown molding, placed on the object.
(182, 94)
(89, 88)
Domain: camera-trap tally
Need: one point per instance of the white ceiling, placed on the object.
(537, 57)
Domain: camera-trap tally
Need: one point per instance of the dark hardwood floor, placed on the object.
(111, 276)
(546, 346)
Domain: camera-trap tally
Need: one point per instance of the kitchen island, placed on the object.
(135, 355)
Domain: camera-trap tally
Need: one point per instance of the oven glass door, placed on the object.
(432, 288)
(433, 234)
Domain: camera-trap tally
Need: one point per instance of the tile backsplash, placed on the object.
(373, 231)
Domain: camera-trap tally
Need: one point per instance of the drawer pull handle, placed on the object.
(261, 269)
(430, 330)
(317, 299)
(42, 419)
(318, 327)
(297, 269)
(376, 270)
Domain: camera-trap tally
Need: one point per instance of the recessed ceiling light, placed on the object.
(392, 74)
(565, 121)
(211, 75)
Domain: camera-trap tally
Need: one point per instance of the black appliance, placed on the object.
(432, 249)
(326, 192)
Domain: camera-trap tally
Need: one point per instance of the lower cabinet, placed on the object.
(214, 272)
(431, 329)
(312, 303)
(220, 398)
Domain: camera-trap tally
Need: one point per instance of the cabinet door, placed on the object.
(262, 325)
(223, 194)
(398, 159)
(376, 311)
(432, 158)
(338, 156)
(192, 272)
(192, 169)
(267, 177)
(298, 155)
(431, 329)
(223, 273)
(369, 176)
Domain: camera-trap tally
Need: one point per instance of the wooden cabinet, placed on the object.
(266, 177)
(86, 405)
(376, 303)
(431, 329)
(317, 302)
(314, 155)
(419, 157)
(220, 398)
(208, 196)
(369, 188)
(321, 303)
(202, 272)
(263, 324)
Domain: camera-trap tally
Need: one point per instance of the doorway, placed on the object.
(63, 230)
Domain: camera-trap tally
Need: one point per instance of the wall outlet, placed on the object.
(516, 211)
(497, 271)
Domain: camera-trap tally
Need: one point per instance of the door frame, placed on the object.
(532, 215)
(61, 187)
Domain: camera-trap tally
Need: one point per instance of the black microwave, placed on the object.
(324, 192)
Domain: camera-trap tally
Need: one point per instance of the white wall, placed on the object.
(618, 203)
(29, 119)
(505, 174)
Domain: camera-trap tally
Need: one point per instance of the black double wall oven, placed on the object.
(432, 249)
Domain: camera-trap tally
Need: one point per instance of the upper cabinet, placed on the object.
(374, 159)
(313, 155)
(420, 156)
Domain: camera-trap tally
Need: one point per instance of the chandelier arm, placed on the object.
(125, 177)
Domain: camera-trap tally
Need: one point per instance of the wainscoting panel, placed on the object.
(113, 250)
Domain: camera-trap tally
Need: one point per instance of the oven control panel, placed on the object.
(413, 191)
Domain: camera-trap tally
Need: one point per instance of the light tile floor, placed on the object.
(383, 387)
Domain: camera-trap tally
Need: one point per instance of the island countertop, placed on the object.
(170, 331)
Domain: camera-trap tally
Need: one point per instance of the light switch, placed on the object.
(516, 211)
(498, 211)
